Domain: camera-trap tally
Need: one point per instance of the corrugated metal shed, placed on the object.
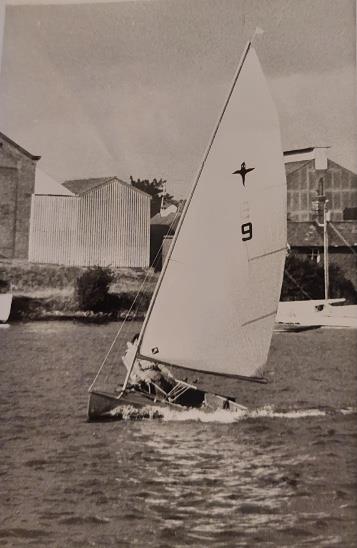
(106, 223)
(80, 186)
(54, 229)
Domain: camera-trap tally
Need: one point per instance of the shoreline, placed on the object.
(32, 308)
(49, 292)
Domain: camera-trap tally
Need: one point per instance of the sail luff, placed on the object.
(183, 215)
(197, 178)
(214, 305)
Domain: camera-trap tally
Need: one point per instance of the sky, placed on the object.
(136, 87)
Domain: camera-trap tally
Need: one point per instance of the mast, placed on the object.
(163, 196)
(326, 261)
(321, 206)
(183, 215)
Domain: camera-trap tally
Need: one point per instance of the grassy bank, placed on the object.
(49, 291)
(43, 291)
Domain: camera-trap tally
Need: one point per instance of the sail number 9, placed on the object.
(247, 231)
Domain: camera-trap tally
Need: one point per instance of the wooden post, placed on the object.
(326, 262)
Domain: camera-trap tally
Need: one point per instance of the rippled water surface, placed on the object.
(283, 474)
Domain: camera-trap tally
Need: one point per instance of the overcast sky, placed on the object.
(135, 87)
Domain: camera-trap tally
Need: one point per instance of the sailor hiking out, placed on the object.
(146, 374)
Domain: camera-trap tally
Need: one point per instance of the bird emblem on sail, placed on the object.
(243, 171)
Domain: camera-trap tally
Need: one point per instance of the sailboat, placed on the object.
(327, 312)
(5, 301)
(211, 317)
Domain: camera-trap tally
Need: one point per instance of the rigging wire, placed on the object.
(148, 277)
(292, 279)
(342, 238)
(134, 308)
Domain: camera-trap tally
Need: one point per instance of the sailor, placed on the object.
(155, 378)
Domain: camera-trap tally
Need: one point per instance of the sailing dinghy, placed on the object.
(212, 314)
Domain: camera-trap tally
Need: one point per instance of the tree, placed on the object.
(156, 188)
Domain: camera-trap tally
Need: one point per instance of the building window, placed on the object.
(315, 255)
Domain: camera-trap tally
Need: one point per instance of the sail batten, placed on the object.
(260, 318)
(216, 300)
(266, 254)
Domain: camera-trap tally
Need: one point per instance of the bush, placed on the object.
(92, 289)
(340, 286)
(304, 279)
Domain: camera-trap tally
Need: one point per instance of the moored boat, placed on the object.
(317, 313)
(5, 301)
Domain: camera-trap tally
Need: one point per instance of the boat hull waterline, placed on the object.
(135, 404)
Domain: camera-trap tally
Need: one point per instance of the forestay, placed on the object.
(216, 301)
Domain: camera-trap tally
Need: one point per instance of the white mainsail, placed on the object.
(215, 304)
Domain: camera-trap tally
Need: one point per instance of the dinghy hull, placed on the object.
(135, 404)
(104, 406)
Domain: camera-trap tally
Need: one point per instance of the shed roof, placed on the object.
(81, 186)
(298, 151)
(171, 220)
(309, 234)
(291, 167)
(20, 148)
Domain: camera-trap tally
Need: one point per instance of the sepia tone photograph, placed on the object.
(178, 273)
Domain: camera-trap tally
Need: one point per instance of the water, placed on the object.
(283, 474)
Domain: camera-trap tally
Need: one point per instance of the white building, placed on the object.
(101, 222)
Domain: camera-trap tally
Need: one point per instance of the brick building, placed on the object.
(17, 183)
(309, 172)
(305, 168)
